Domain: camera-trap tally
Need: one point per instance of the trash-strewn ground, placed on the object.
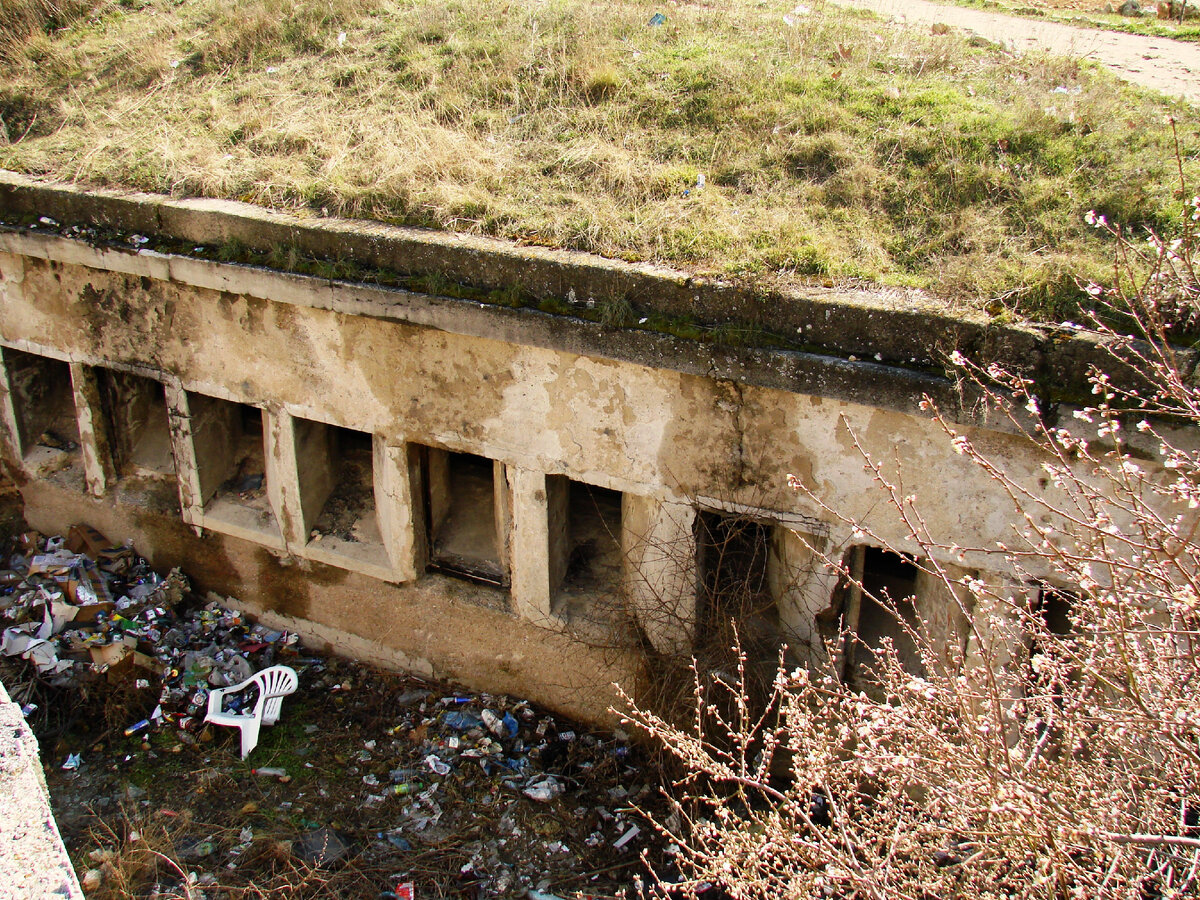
(369, 782)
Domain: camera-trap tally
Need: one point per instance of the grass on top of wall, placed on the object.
(748, 140)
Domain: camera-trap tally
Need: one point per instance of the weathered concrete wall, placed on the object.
(34, 864)
(535, 400)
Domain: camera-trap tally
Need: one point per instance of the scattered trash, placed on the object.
(790, 19)
(461, 721)
(427, 766)
(628, 836)
(137, 727)
(321, 848)
(82, 607)
(545, 789)
(658, 19)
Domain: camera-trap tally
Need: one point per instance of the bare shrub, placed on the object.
(1055, 750)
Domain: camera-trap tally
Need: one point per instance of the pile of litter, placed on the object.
(371, 783)
(83, 608)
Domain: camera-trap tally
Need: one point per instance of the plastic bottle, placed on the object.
(270, 771)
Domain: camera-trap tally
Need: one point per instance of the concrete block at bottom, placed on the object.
(33, 861)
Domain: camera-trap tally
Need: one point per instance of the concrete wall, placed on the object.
(34, 864)
(675, 428)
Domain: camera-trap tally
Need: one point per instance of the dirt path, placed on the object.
(1172, 67)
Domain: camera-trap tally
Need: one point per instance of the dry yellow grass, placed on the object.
(832, 147)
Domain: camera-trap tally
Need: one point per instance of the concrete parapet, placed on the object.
(896, 329)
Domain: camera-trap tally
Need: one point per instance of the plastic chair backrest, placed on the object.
(274, 684)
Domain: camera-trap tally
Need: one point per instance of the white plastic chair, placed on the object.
(274, 684)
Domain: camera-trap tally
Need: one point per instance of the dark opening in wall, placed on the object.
(44, 402)
(585, 543)
(466, 515)
(337, 490)
(139, 428)
(733, 559)
(1054, 605)
(886, 605)
(231, 463)
(1053, 609)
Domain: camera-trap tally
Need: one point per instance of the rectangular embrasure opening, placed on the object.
(337, 491)
(44, 402)
(464, 517)
(585, 543)
(231, 462)
(735, 604)
(733, 553)
(139, 427)
(888, 610)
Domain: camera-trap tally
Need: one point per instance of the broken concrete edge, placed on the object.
(837, 328)
(33, 859)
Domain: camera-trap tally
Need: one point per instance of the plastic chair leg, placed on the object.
(249, 736)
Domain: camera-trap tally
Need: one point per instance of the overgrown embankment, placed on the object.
(763, 142)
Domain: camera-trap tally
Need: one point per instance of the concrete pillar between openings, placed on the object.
(658, 542)
(10, 433)
(187, 472)
(215, 426)
(395, 471)
(558, 527)
(316, 469)
(802, 586)
(530, 540)
(95, 442)
(997, 646)
(944, 611)
(284, 491)
(502, 509)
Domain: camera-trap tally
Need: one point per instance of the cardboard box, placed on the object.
(28, 541)
(111, 654)
(87, 540)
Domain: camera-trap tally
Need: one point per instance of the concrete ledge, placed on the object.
(865, 382)
(33, 861)
(895, 329)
